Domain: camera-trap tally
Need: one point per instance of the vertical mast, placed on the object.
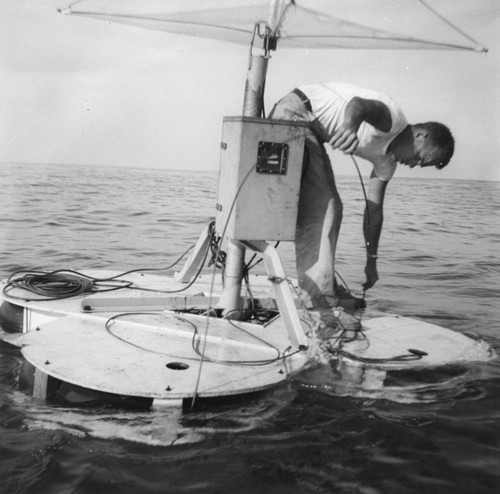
(252, 107)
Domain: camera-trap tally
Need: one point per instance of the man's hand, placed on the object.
(345, 139)
(371, 274)
(357, 111)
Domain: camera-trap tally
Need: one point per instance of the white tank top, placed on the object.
(328, 102)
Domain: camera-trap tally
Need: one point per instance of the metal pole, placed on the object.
(252, 107)
(254, 86)
(235, 260)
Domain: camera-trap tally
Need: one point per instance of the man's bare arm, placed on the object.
(372, 227)
(357, 111)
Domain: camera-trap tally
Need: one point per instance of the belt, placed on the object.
(304, 98)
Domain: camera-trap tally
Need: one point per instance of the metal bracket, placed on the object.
(284, 298)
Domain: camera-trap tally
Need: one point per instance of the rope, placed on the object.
(479, 46)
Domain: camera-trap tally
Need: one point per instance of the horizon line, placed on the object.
(212, 170)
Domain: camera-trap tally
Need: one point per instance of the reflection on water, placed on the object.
(428, 385)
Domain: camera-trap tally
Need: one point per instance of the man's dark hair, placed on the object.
(440, 136)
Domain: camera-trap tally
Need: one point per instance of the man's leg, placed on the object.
(319, 215)
(318, 224)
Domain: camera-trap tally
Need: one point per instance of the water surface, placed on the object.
(438, 261)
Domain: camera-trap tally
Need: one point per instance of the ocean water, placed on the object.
(439, 261)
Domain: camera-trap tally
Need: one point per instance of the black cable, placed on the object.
(195, 346)
(59, 284)
(340, 352)
(368, 218)
(119, 316)
(412, 355)
(67, 283)
(184, 288)
(249, 264)
(218, 255)
(196, 342)
(343, 281)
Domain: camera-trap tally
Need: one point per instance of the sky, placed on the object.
(86, 92)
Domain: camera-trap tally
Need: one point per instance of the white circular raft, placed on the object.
(393, 336)
(158, 355)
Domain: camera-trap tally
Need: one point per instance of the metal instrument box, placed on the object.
(259, 178)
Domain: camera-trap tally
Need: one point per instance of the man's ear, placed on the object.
(422, 133)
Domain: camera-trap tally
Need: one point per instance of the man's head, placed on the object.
(425, 144)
